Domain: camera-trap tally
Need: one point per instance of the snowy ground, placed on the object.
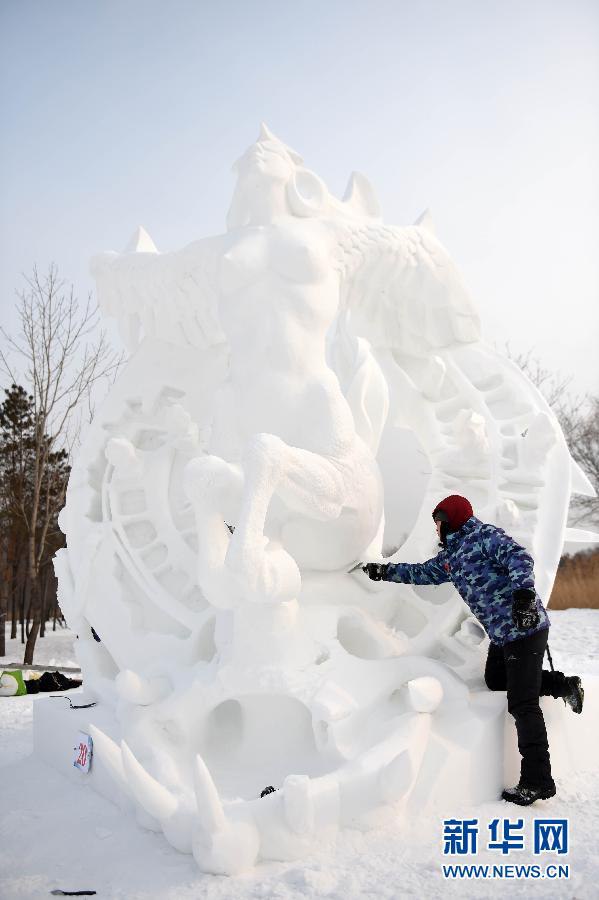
(54, 833)
(55, 648)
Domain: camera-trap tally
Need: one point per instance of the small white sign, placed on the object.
(83, 752)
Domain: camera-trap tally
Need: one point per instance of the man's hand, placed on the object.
(375, 571)
(524, 609)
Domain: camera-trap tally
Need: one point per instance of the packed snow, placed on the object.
(56, 648)
(59, 833)
(302, 390)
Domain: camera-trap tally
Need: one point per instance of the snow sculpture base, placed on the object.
(301, 392)
(459, 768)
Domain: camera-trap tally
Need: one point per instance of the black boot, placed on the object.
(573, 693)
(525, 794)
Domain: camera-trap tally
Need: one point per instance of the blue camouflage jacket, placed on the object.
(486, 566)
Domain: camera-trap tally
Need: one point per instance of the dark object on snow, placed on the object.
(375, 571)
(95, 635)
(267, 790)
(525, 794)
(230, 527)
(51, 681)
(58, 893)
(525, 614)
(73, 705)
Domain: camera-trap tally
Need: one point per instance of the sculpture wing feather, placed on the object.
(402, 290)
(170, 296)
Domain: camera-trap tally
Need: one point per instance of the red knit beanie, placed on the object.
(457, 509)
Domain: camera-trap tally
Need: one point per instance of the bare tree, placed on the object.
(62, 355)
(579, 419)
(582, 433)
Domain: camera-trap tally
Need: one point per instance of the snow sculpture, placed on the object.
(288, 382)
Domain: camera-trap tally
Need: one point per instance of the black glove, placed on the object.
(375, 571)
(525, 614)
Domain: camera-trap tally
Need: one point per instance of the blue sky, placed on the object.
(123, 113)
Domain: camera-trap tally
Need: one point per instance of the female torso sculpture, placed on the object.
(278, 297)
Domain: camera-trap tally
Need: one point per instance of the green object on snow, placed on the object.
(7, 683)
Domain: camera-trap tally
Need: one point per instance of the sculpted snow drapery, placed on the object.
(236, 472)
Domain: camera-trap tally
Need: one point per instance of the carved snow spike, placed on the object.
(267, 135)
(141, 242)
(149, 793)
(211, 815)
(361, 195)
(580, 483)
(425, 220)
(108, 751)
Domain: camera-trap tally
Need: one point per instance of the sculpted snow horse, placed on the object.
(289, 383)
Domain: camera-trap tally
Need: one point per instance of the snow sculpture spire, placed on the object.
(425, 220)
(360, 195)
(141, 242)
(265, 135)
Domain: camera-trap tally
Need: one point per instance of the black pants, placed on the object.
(518, 668)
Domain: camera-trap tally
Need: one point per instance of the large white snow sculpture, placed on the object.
(288, 382)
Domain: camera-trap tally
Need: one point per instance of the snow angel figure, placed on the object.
(494, 576)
